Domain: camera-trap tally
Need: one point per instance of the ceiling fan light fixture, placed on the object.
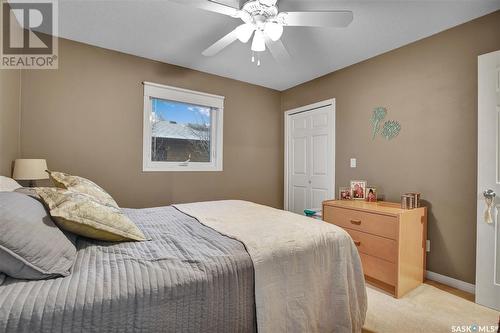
(273, 30)
(244, 32)
(258, 43)
(263, 20)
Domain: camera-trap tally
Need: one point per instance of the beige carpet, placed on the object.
(425, 309)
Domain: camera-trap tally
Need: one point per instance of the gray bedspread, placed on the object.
(187, 278)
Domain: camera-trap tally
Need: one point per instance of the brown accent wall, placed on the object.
(9, 119)
(430, 87)
(86, 119)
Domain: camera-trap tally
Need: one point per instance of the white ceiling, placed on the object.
(177, 34)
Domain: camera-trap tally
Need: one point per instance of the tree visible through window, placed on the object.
(180, 132)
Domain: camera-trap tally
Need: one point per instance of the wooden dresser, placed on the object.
(390, 240)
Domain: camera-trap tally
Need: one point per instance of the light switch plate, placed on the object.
(428, 246)
(353, 162)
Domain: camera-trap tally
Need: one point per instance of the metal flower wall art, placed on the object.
(378, 115)
(390, 128)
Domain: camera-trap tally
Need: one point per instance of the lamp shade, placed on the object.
(30, 169)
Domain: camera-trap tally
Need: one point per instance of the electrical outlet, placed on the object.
(428, 245)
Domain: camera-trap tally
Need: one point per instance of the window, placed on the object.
(182, 129)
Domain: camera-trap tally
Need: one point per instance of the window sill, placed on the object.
(179, 168)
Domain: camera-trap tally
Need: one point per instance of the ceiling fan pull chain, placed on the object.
(253, 56)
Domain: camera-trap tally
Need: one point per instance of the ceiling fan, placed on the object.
(262, 19)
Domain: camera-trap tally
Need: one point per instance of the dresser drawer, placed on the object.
(376, 224)
(376, 246)
(379, 269)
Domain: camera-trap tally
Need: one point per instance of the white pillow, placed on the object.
(8, 184)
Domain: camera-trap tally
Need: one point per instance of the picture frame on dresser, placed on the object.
(358, 189)
(371, 194)
(345, 193)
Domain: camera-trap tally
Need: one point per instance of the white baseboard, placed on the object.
(458, 284)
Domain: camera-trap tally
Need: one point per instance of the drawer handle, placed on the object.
(358, 222)
(357, 243)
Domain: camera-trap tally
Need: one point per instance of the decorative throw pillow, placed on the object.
(31, 191)
(32, 247)
(82, 185)
(8, 184)
(83, 215)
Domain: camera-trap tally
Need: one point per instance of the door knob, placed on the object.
(489, 198)
(489, 194)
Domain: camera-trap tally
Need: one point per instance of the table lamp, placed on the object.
(30, 169)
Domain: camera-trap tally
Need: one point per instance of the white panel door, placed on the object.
(310, 158)
(488, 180)
(299, 173)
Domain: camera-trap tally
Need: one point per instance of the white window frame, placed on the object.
(154, 90)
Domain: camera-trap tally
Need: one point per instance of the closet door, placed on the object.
(310, 158)
(321, 159)
(299, 187)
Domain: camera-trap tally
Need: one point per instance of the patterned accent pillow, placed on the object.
(82, 185)
(28, 191)
(83, 215)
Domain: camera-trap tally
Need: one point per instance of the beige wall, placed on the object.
(86, 119)
(9, 119)
(430, 87)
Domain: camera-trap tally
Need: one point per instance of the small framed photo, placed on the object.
(358, 188)
(371, 194)
(345, 193)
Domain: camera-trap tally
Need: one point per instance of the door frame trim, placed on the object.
(311, 107)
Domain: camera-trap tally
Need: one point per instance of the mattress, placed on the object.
(187, 278)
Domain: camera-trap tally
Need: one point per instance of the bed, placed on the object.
(195, 276)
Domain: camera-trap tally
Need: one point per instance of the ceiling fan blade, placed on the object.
(221, 44)
(278, 51)
(212, 6)
(337, 19)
